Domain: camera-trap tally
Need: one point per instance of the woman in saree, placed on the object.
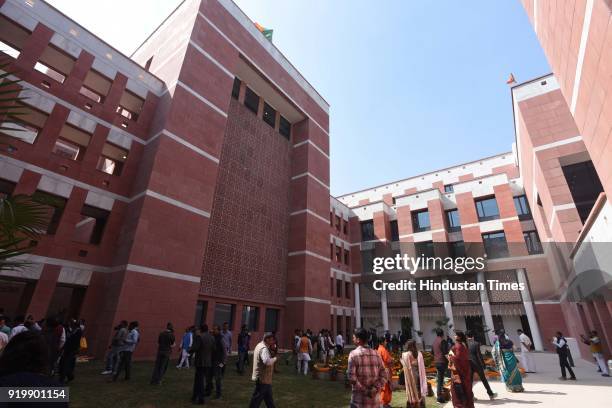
(414, 376)
(506, 362)
(461, 373)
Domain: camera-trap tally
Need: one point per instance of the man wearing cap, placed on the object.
(263, 368)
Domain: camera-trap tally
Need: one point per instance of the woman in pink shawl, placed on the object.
(414, 376)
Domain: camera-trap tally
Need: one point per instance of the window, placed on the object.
(394, 230)
(71, 143)
(338, 254)
(250, 317)
(339, 284)
(284, 127)
(271, 324)
(112, 159)
(452, 218)
(584, 185)
(347, 290)
(200, 314)
(269, 115)
(236, 88)
(522, 207)
(224, 313)
(338, 223)
(6, 188)
(55, 64)
(90, 227)
(346, 256)
(367, 230)
(420, 221)
(55, 208)
(23, 123)
(449, 188)
(12, 37)
(95, 86)
(532, 241)
(457, 249)
(495, 244)
(331, 287)
(425, 248)
(345, 227)
(331, 251)
(487, 209)
(251, 100)
(130, 105)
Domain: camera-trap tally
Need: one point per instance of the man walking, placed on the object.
(165, 342)
(304, 351)
(594, 343)
(218, 362)
(117, 343)
(263, 369)
(69, 353)
(244, 339)
(339, 344)
(562, 350)
(126, 351)
(526, 356)
(202, 348)
(477, 363)
(440, 350)
(366, 372)
(186, 343)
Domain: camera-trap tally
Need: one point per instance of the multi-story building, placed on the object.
(189, 182)
(190, 178)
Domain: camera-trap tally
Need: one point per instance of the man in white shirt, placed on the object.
(339, 343)
(19, 327)
(263, 368)
(526, 356)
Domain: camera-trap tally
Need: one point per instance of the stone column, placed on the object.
(357, 306)
(529, 310)
(486, 307)
(414, 308)
(448, 307)
(385, 313)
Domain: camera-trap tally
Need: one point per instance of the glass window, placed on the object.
(339, 288)
(367, 230)
(90, 227)
(449, 188)
(200, 314)
(495, 245)
(338, 254)
(394, 231)
(251, 100)
(224, 313)
(269, 115)
(271, 324)
(425, 248)
(112, 159)
(457, 249)
(12, 37)
(236, 88)
(130, 105)
(250, 317)
(347, 290)
(532, 241)
(95, 86)
(345, 227)
(487, 209)
(452, 218)
(584, 185)
(284, 127)
(71, 143)
(522, 207)
(55, 208)
(338, 223)
(346, 256)
(420, 221)
(55, 64)
(6, 188)
(23, 123)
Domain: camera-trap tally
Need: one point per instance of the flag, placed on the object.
(511, 80)
(267, 32)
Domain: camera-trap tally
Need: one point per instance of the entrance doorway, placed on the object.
(475, 325)
(66, 302)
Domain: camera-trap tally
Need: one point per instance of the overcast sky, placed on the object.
(414, 86)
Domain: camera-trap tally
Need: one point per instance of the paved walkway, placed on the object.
(544, 389)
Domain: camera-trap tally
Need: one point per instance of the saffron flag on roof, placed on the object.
(267, 32)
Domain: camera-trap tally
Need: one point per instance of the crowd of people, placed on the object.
(44, 353)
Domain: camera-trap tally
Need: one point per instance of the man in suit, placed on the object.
(477, 363)
(202, 348)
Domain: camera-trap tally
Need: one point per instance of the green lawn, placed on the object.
(90, 389)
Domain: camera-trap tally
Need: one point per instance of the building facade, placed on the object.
(189, 182)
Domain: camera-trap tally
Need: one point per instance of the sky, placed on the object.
(414, 86)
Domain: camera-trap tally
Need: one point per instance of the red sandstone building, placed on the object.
(189, 182)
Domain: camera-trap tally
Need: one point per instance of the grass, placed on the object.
(90, 389)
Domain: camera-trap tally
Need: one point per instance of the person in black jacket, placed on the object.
(202, 348)
(69, 353)
(165, 343)
(218, 362)
(477, 363)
